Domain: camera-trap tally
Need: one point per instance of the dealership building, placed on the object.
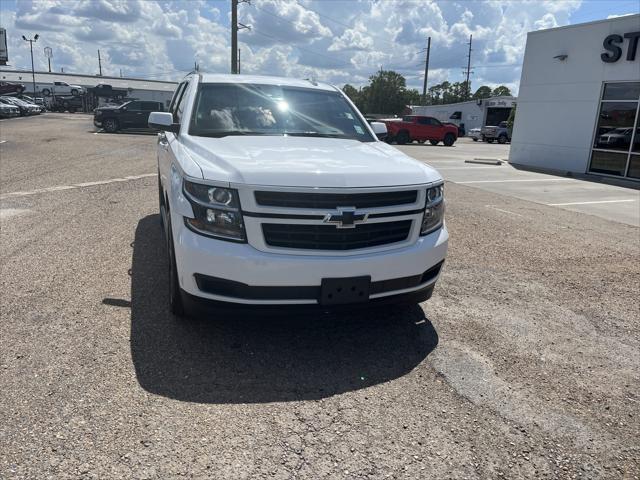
(579, 98)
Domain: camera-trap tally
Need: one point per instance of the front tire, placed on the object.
(475, 139)
(176, 305)
(46, 92)
(402, 138)
(74, 92)
(502, 139)
(110, 125)
(449, 139)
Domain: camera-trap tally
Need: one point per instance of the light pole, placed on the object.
(48, 52)
(33, 73)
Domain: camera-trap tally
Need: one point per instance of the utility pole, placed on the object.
(426, 72)
(239, 61)
(48, 52)
(120, 73)
(235, 26)
(234, 36)
(468, 71)
(33, 73)
(99, 64)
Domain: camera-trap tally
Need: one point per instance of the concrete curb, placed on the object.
(485, 161)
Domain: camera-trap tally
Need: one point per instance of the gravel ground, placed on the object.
(524, 364)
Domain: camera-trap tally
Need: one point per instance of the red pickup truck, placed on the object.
(420, 128)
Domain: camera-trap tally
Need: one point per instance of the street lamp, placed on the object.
(33, 74)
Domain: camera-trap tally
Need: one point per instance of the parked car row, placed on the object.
(25, 106)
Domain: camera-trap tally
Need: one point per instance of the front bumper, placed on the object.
(239, 273)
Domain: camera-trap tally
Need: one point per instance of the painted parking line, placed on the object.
(12, 212)
(74, 186)
(493, 207)
(592, 203)
(522, 180)
(470, 167)
(2, 141)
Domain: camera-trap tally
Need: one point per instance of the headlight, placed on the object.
(433, 217)
(216, 211)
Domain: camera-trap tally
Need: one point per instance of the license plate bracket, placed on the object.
(338, 291)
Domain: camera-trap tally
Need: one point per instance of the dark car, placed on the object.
(25, 107)
(8, 87)
(133, 114)
(616, 138)
(69, 103)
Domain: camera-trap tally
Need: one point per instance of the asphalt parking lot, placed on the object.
(524, 364)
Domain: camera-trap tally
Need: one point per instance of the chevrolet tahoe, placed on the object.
(277, 192)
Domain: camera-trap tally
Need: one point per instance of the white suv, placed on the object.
(277, 192)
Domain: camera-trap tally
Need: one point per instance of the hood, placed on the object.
(108, 107)
(305, 162)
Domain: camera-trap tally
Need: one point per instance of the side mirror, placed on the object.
(163, 121)
(380, 129)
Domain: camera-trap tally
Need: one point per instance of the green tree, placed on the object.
(386, 93)
(501, 91)
(354, 94)
(413, 97)
(482, 92)
(435, 94)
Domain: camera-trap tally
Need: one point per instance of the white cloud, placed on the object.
(335, 41)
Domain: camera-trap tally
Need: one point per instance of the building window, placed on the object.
(616, 143)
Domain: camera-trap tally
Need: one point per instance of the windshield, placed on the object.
(252, 109)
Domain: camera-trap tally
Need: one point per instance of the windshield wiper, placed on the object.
(316, 134)
(231, 133)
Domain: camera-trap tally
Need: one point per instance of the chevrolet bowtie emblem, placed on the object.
(346, 217)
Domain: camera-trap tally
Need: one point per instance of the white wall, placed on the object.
(558, 100)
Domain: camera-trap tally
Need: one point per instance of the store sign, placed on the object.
(613, 45)
(500, 103)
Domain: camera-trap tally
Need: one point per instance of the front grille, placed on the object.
(328, 237)
(333, 200)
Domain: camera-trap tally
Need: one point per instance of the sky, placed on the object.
(331, 40)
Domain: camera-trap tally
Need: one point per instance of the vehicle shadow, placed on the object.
(252, 359)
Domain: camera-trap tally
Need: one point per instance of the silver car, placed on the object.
(8, 111)
(474, 134)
